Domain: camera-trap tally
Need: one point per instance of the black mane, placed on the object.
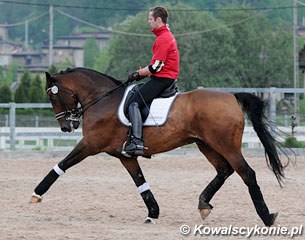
(68, 70)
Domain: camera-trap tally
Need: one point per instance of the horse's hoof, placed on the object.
(272, 219)
(204, 213)
(150, 220)
(35, 198)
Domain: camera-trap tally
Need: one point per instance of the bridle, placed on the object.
(69, 114)
(75, 114)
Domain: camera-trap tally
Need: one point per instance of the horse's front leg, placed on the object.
(80, 152)
(135, 172)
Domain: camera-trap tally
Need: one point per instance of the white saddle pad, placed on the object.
(158, 110)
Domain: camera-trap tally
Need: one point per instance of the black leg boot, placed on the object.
(135, 145)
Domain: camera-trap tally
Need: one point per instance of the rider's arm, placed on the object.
(144, 71)
(150, 69)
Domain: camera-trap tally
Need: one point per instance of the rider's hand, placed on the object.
(135, 76)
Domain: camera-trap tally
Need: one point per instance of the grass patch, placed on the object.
(292, 142)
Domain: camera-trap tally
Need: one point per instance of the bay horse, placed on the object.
(213, 120)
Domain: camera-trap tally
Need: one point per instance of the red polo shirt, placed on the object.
(165, 49)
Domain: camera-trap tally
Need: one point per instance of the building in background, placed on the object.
(65, 49)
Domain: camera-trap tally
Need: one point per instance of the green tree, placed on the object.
(52, 69)
(260, 48)
(5, 94)
(128, 52)
(205, 54)
(279, 59)
(91, 52)
(22, 94)
(36, 93)
(2, 75)
(62, 65)
(8, 75)
(102, 61)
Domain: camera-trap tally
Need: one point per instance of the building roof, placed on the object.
(11, 43)
(34, 54)
(63, 47)
(80, 36)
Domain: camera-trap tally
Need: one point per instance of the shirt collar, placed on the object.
(160, 30)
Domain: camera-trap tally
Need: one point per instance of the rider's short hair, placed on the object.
(160, 12)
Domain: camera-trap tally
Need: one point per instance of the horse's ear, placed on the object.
(49, 79)
(48, 75)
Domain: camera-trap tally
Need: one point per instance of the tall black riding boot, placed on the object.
(135, 146)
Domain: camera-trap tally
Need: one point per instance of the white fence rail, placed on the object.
(37, 138)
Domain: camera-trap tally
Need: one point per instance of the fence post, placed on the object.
(12, 125)
(36, 121)
(272, 107)
(6, 121)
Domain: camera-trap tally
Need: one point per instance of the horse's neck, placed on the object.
(89, 90)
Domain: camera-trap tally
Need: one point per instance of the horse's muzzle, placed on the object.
(66, 129)
(68, 125)
(75, 124)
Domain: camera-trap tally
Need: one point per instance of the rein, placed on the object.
(94, 101)
(76, 113)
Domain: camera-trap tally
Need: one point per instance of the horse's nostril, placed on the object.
(75, 124)
(64, 129)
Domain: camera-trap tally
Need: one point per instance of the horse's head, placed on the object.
(64, 102)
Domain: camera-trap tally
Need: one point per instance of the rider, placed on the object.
(163, 70)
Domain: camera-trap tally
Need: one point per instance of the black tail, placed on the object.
(255, 109)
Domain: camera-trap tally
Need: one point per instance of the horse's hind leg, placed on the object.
(135, 172)
(224, 170)
(249, 177)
